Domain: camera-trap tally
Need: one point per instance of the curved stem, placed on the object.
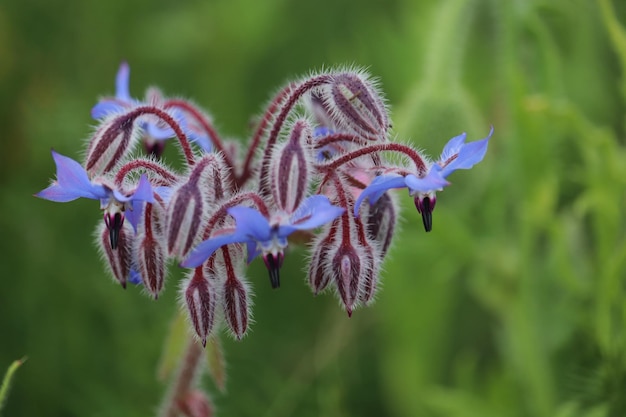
(282, 116)
(199, 116)
(272, 108)
(411, 153)
(185, 379)
(178, 131)
(131, 166)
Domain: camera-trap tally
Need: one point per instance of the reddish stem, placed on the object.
(169, 120)
(420, 165)
(131, 166)
(197, 114)
(258, 134)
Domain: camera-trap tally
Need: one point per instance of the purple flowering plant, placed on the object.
(319, 166)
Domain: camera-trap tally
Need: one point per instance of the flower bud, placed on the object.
(289, 172)
(150, 250)
(381, 222)
(236, 305)
(119, 259)
(201, 298)
(347, 271)
(112, 141)
(319, 275)
(357, 106)
(190, 202)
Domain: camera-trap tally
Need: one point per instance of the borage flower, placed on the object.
(422, 187)
(72, 182)
(267, 237)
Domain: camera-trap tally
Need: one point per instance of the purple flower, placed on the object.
(268, 237)
(73, 182)
(155, 133)
(456, 155)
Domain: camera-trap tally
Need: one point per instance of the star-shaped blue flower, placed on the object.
(72, 182)
(123, 100)
(456, 155)
(261, 236)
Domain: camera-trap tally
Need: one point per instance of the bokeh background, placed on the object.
(514, 305)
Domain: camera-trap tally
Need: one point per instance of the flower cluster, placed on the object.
(317, 170)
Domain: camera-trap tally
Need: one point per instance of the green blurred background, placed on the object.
(512, 306)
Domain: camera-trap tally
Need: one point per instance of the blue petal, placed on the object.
(134, 277)
(251, 223)
(106, 107)
(377, 188)
(313, 212)
(431, 182)
(72, 182)
(322, 131)
(143, 192)
(133, 215)
(204, 250)
(121, 82)
(201, 140)
(156, 132)
(469, 155)
(452, 147)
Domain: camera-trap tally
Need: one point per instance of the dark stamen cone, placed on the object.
(427, 214)
(273, 266)
(114, 225)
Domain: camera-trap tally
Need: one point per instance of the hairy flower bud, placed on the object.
(111, 142)
(319, 274)
(381, 221)
(191, 201)
(355, 105)
(150, 250)
(289, 179)
(201, 297)
(236, 303)
(119, 259)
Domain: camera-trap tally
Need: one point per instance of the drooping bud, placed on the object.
(356, 105)
(150, 250)
(189, 202)
(319, 274)
(236, 303)
(201, 298)
(289, 179)
(118, 260)
(425, 205)
(381, 222)
(111, 142)
(195, 403)
(346, 266)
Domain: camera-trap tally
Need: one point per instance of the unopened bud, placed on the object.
(150, 250)
(201, 299)
(118, 260)
(381, 222)
(357, 106)
(236, 308)
(289, 173)
(346, 266)
(186, 214)
(113, 141)
(319, 274)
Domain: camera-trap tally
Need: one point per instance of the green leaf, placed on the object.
(173, 347)
(6, 382)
